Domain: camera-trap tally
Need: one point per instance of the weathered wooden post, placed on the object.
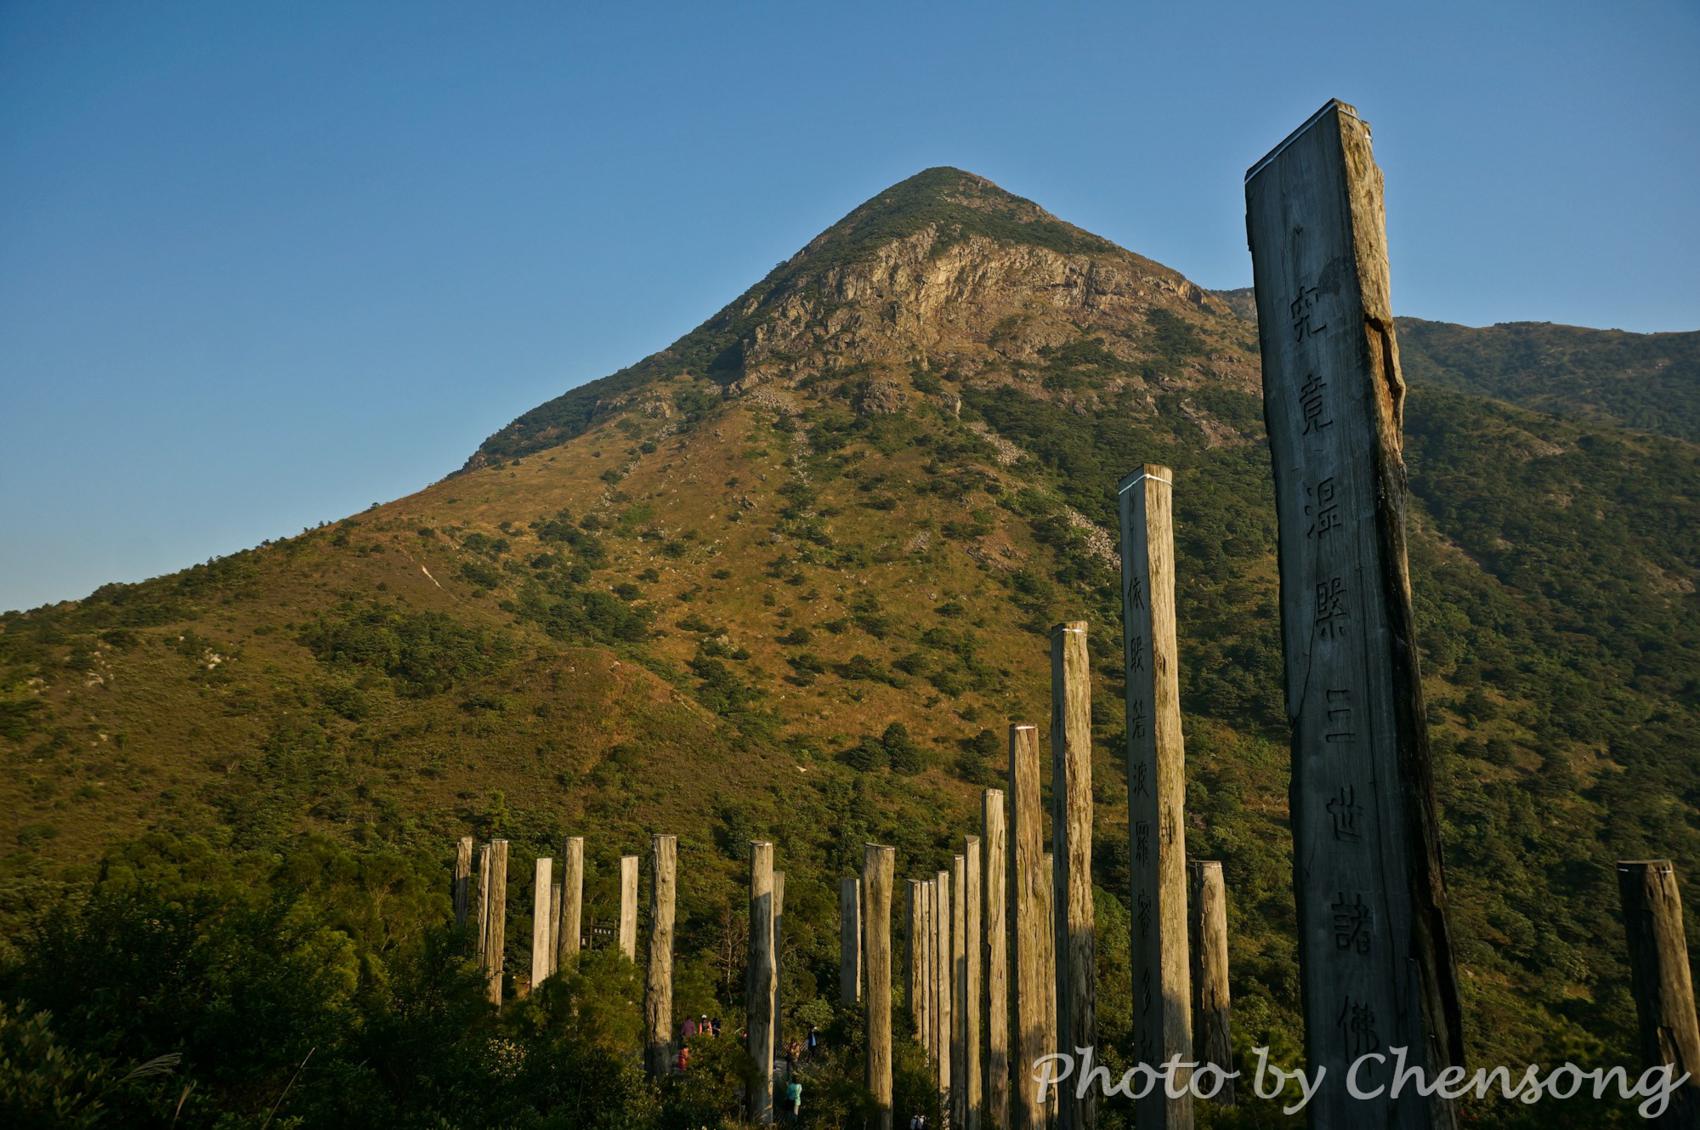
(496, 919)
(484, 856)
(1048, 956)
(778, 960)
(917, 992)
(958, 991)
(461, 889)
(658, 985)
(849, 941)
(973, 987)
(1207, 938)
(929, 965)
(995, 898)
(1661, 982)
(569, 928)
(1375, 957)
(1071, 789)
(1156, 791)
(878, 866)
(943, 1021)
(763, 983)
(542, 904)
(1028, 880)
(628, 906)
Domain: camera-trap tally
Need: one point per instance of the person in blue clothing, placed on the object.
(794, 1099)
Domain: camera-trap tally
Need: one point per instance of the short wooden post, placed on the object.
(849, 941)
(1207, 912)
(1071, 787)
(943, 1020)
(542, 903)
(461, 889)
(1156, 793)
(878, 866)
(496, 924)
(569, 929)
(658, 985)
(1661, 981)
(763, 984)
(973, 986)
(628, 906)
(995, 898)
(917, 991)
(1028, 881)
(1375, 956)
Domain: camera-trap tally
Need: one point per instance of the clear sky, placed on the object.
(262, 264)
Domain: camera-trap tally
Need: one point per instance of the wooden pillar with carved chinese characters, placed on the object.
(543, 905)
(943, 978)
(1375, 956)
(658, 983)
(570, 926)
(628, 906)
(1053, 1034)
(762, 987)
(879, 865)
(1156, 792)
(1029, 879)
(958, 991)
(462, 888)
(779, 960)
(973, 988)
(914, 968)
(995, 899)
(1071, 836)
(1207, 943)
(928, 966)
(849, 941)
(1661, 981)
(495, 920)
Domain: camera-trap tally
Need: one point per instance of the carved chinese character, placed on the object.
(1351, 924)
(1136, 731)
(1136, 654)
(1144, 915)
(1145, 990)
(1303, 310)
(1135, 592)
(1344, 810)
(1310, 401)
(1142, 840)
(1357, 1025)
(1323, 510)
(1339, 717)
(1331, 607)
(1137, 782)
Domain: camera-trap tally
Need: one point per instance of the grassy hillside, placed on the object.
(790, 578)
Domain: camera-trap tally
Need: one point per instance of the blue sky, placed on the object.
(263, 264)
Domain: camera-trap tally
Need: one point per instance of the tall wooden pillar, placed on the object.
(628, 906)
(1028, 882)
(763, 984)
(461, 889)
(485, 853)
(973, 987)
(878, 866)
(917, 993)
(995, 898)
(570, 927)
(929, 966)
(542, 903)
(849, 941)
(1375, 957)
(658, 984)
(779, 961)
(495, 919)
(1156, 791)
(958, 991)
(1207, 937)
(1660, 979)
(1053, 1034)
(1071, 788)
(943, 1020)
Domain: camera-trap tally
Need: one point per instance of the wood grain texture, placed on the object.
(958, 991)
(1029, 879)
(916, 995)
(1207, 938)
(543, 905)
(628, 906)
(762, 985)
(849, 941)
(1661, 981)
(879, 865)
(1375, 955)
(658, 981)
(994, 830)
(569, 927)
(942, 1027)
(1048, 969)
(1071, 839)
(461, 891)
(496, 920)
(1156, 789)
(973, 986)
